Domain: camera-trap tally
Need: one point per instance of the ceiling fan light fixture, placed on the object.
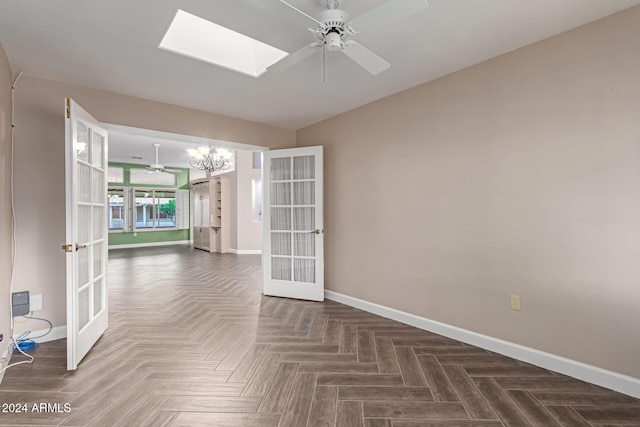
(333, 42)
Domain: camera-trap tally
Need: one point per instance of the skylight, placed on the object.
(197, 38)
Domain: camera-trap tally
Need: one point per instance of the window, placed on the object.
(115, 174)
(256, 195)
(165, 208)
(141, 209)
(155, 209)
(117, 209)
(197, 38)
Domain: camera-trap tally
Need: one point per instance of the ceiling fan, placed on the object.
(157, 167)
(334, 28)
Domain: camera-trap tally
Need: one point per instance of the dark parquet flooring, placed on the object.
(192, 342)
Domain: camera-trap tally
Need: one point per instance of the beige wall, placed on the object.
(520, 175)
(249, 231)
(40, 168)
(5, 199)
(246, 234)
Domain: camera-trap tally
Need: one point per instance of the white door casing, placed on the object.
(293, 227)
(86, 154)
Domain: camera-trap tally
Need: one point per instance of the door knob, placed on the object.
(317, 231)
(79, 246)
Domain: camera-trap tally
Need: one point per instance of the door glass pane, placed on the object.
(97, 153)
(98, 186)
(97, 296)
(82, 144)
(281, 243)
(83, 266)
(144, 209)
(98, 222)
(304, 193)
(165, 208)
(97, 260)
(304, 167)
(84, 224)
(281, 268)
(304, 244)
(281, 169)
(84, 183)
(304, 219)
(83, 305)
(281, 193)
(281, 219)
(304, 270)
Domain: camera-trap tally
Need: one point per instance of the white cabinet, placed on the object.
(211, 219)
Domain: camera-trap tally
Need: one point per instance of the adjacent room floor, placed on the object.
(193, 342)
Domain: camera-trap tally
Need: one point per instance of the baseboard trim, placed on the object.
(57, 333)
(246, 251)
(151, 244)
(592, 374)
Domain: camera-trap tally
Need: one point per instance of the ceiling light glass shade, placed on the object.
(211, 161)
(224, 153)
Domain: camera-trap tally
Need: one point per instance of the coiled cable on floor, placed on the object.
(25, 343)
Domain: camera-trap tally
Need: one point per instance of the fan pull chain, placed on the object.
(324, 63)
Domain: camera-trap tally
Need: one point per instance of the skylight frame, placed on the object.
(203, 40)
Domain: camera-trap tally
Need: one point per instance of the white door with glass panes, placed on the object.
(86, 231)
(293, 243)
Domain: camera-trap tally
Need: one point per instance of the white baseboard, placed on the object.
(57, 333)
(151, 244)
(592, 374)
(246, 251)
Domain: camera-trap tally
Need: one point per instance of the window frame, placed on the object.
(125, 208)
(133, 190)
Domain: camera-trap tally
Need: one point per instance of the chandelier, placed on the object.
(209, 160)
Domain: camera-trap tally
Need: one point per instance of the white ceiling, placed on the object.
(137, 149)
(134, 145)
(112, 46)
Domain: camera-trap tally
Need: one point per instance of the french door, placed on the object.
(86, 231)
(293, 243)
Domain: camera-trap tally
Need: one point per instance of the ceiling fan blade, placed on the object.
(295, 57)
(391, 11)
(365, 58)
(281, 8)
(172, 171)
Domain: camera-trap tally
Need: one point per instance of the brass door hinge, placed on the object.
(68, 108)
(67, 248)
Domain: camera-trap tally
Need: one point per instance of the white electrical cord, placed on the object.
(14, 247)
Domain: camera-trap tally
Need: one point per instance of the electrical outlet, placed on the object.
(35, 302)
(515, 302)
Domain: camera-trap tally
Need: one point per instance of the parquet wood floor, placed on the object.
(192, 342)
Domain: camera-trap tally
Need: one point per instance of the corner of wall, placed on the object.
(6, 223)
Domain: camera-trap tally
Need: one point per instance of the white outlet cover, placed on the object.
(35, 302)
